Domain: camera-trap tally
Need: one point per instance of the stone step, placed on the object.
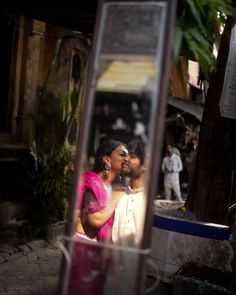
(5, 137)
(11, 211)
(14, 234)
(17, 151)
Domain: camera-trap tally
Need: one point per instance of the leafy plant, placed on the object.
(68, 108)
(197, 26)
(50, 178)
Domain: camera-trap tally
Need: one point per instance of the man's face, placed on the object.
(133, 169)
(169, 150)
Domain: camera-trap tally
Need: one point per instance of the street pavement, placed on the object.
(33, 269)
(29, 269)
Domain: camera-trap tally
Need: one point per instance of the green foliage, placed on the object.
(68, 105)
(50, 183)
(196, 30)
(50, 178)
(67, 111)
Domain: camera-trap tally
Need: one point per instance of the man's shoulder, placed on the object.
(176, 156)
(165, 158)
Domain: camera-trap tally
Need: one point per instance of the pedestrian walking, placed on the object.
(171, 167)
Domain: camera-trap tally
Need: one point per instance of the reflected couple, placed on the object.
(107, 211)
(97, 201)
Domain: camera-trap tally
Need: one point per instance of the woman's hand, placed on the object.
(98, 219)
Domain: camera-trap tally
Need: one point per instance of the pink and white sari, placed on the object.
(93, 182)
(88, 266)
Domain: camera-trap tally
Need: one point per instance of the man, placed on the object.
(171, 167)
(127, 229)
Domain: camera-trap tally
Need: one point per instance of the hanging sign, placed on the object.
(228, 96)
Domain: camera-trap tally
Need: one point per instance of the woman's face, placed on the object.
(119, 159)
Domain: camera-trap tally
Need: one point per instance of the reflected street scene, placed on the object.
(112, 195)
(118, 148)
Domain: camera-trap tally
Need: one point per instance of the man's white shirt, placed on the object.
(174, 164)
(127, 229)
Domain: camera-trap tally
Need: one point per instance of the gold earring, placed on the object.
(106, 170)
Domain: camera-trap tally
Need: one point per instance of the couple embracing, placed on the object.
(107, 212)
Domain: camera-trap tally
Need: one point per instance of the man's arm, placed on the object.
(163, 166)
(179, 164)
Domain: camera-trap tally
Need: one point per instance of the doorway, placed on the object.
(8, 23)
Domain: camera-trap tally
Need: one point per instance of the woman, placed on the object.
(95, 215)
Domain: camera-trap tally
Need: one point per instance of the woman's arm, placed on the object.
(99, 218)
(179, 165)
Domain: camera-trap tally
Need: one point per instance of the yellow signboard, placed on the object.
(127, 76)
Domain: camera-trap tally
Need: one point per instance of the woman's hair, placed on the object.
(105, 149)
(136, 146)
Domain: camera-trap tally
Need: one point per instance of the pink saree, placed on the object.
(87, 273)
(92, 182)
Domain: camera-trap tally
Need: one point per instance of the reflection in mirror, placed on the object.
(113, 179)
(125, 87)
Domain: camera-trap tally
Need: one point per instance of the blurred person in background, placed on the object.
(171, 167)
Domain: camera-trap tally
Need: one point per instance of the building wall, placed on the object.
(43, 71)
(188, 85)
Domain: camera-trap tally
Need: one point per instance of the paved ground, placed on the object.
(30, 269)
(33, 269)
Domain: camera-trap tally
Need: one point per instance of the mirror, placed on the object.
(124, 80)
(119, 143)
